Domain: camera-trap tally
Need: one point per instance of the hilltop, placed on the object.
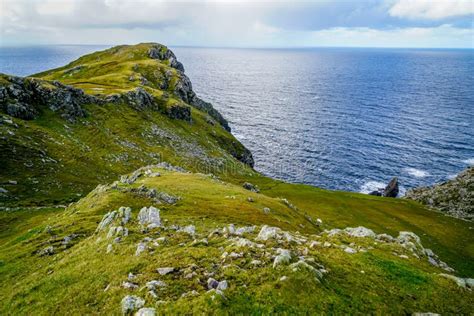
(122, 190)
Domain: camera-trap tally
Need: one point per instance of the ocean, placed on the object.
(337, 118)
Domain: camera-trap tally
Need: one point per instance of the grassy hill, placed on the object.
(132, 106)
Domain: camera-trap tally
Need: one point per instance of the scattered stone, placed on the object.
(315, 244)
(350, 250)
(283, 278)
(250, 199)
(155, 284)
(268, 232)
(165, 271)
(222, 286)
(463, 283)
(283, 258)
(360, 232)
(125, 213)
(303, 266)
(141, 247)
(255, 262)
(212, 283)
(266, 210)
(148, 311)
(12, 182)
(130, 303)
(129, 285)
(150, 217)
(48, 251)
(190, 229)
(106, 220)
(109, 248)
(251, 187)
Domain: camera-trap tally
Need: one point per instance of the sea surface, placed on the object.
(346, 119)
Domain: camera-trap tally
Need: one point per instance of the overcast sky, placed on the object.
(244, 23)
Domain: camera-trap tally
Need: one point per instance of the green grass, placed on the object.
(73, 280)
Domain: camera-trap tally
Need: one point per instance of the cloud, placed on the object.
(419, 37)
(262, 23)
(431, 9)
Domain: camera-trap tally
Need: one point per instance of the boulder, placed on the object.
(149, 217)
(130, 303)
(268, 232)
(146, 311)
(165, 271)
(106, 220)
(360, 232)
(391, 190)
(303, 266)
(249, 186)
(283, 258)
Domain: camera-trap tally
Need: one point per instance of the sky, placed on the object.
(244, 23)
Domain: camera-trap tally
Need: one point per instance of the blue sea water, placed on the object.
(346, 119)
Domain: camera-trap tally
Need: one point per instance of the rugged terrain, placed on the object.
(454, 197)
(190, 227)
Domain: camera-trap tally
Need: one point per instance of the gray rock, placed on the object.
(4, 191)
(155, 284)
(283, 258)
(141, 247)
(146, 311)
(350, 250)
(249, 186)
(303, 266)
(212, 283)
(360, 232)
(190, 229)
(268, 232)
(165, 271)
(130, 303)
(48, 251)
(391, 190)
(149, 217)
(106, 220)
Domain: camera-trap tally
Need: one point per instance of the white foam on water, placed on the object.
(469, 161)
(416, 172)
(370, 186)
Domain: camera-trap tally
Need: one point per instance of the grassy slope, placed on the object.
(95, 153)
(74, 279)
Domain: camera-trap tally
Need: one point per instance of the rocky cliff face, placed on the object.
(25, 98)
(454, 197)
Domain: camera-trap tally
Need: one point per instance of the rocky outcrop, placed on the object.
(454, 197)
(391, 190)
(183, 87)
(26, 98)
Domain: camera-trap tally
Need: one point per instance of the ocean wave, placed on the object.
(370, 186)
(469, 161)
(416, 172)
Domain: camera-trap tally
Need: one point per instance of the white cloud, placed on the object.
(442, 36)
(431, 9)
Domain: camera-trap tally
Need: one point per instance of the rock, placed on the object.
(376, 193)
(249, 186)
(150, 217)
(190, 229)
(125, 213)
(26, 98)
(385, 238)
(360, 232)
(155, 284)
(67, 240)
(333, 232)
(212, 283)
(48, 251)
(106, 220)
(454, 197)
(148, 311)
(250, 199)
(391, 190)
(222, 286)
(130, 303)
(4, 191)
(109, 248)
(12, 182)
(283, 258)
(268, 232)
(129, 285)
(141, 247)
(243, 242)
(303, 266)
(266, 210)
(165, 271)
(459, 281)
(350, 250)
(283, 278)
